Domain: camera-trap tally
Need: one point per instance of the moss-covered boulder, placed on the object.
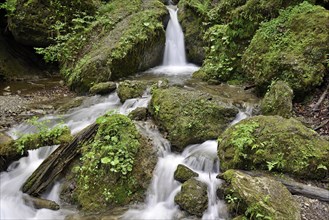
(189, 116)
(11, 150)
(130, 89)
(126, 37)
(183, 173)
(276, 144)
(116, 166)
(191, 17)
(139, 114)
(278, 100)
(259, 197)
(293, 47)
(33, 22)
(103, 88)
(193, 197)
(232, 24)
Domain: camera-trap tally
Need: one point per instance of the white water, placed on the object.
(174, 59)
(12, 205)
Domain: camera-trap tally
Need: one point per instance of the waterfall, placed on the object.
(175, 46)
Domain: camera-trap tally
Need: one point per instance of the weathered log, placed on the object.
(52, 166)
(296, 188)
(40, 203)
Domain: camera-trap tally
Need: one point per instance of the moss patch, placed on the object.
(293, 47)
(276, 144)
(109, 174)
(189, 116)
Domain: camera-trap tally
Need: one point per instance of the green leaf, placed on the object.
(106, 160)
(321, 166)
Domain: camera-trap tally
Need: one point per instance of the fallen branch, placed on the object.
(316, 106)
(39, 203)
(51, 167)
(321, 125)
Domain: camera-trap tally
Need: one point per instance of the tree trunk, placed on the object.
(39, 203)
(51, 167)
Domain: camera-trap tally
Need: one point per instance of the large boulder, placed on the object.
(232, 24)
(115, 168)
(274, 143)
(193, 197)
(293, 47)
(189, 116)
(33, 22)
(278, 100)
(191, 18)
(259, 197)
(125, 38)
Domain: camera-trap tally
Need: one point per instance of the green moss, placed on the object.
(183, 173)
(131, 89)
(189, 116)
(232, 25)
(278, 100)
(132, 41)
(103, 88)
(293, 48)
(34, 22)
(258, 197)
(109, 174)
(276, 144)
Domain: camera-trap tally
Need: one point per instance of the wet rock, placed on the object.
(259, 196)
(193, 197)
(139, 114)
(278, 100)
(103, 88)
(276, 144)
(189, 116)
(183, 173)
(130, 89)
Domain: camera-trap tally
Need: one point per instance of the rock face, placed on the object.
(278, 100)
(274, 143)
(259, 196)
(183, 173)
(130, 89)
(126, 37)
(115, 168)
(31, 22)
(292, 47)
(192, 26)
(193, 197)
(103, 88)
(189, 117)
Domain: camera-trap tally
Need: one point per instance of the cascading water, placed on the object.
(175, 46)
(12, 202)
(174, 59)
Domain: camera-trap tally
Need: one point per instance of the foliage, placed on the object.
(232, 25)
(293, 48)
(107, 163)
(9, 6)
(45, 136)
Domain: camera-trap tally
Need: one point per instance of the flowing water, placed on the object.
(159, 204)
